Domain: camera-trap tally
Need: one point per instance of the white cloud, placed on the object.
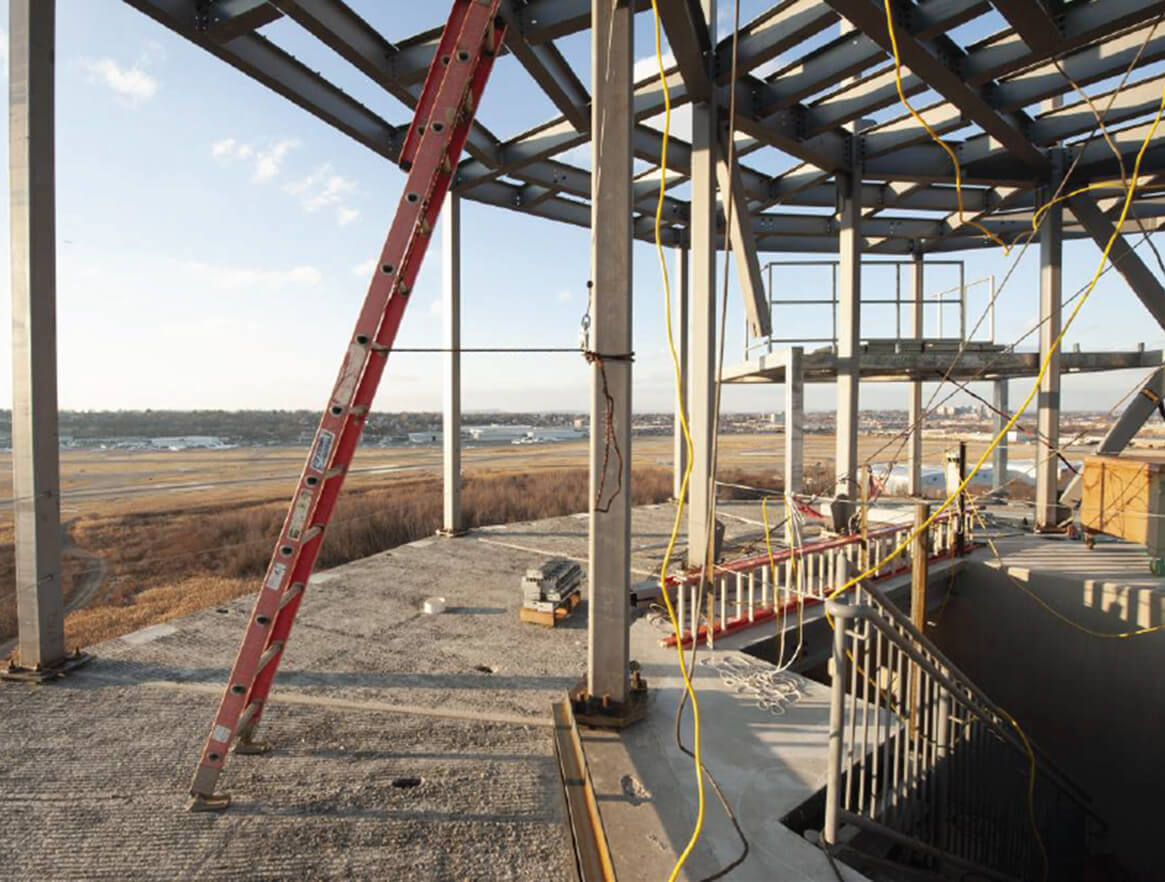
(565, 295)
(267, 160)
(364, 269)
(223, 149)
(437, 307)
(232, 278)
(324, 188)
(321, 188)
(133, 85)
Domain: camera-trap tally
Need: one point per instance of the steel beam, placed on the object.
(1085, 66)
(742, 240)
(612, 58)
(690, 41)
(451, 420)
(1002, 415)
(680, 331)
(916, 415)
(1138, 411)
(1048, 420)
(549, 69)
(1126, 261)
(934, 61)
(1082, 23)
(35, 458)
(1032, 21)
(228, 19)
(794, 421)
(702, 368)
(774, 31)
(848, 334)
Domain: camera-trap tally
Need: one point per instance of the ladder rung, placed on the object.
(290, 594)
(273, 650)
(246, 716)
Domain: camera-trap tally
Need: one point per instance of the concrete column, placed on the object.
(35, 459)
(702, 367)
(794, 421)
(1051, 263)
(849, 189)
(680, 332)
(915, 416)
(999, 461)
(612, 58)
(451, 420)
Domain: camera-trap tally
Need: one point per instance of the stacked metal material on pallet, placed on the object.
(551, 591)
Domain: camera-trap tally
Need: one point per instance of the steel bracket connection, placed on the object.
(601, 712)
(43, 673)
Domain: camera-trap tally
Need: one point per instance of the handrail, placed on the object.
(955, 680)
(932, 776)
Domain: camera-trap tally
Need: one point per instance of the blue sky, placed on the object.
(214, 241)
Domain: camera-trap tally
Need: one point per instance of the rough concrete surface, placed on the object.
(94, 769)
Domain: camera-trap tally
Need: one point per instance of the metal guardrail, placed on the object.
(921, 757)
(756, 589)
(935, 304)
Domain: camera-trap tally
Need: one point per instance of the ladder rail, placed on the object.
(453, 87)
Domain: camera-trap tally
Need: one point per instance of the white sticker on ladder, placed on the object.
(299, 515)
(275, 580)
(349, 375)
(221, 733)
(319, 456)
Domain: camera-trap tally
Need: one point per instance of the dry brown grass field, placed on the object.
(155, 535)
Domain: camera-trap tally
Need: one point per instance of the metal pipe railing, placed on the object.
(792, 576)
(920, 756)
(937, 300)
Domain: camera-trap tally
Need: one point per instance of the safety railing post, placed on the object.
(843, 615)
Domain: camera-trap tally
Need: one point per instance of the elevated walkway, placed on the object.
(902, 360)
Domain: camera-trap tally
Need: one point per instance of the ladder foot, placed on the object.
(212, 803)
(252, 748)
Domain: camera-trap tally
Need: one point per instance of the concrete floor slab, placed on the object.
(373, 691)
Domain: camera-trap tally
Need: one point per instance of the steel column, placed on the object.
(680, 331)
(35, 459)
(1002, 411)
(451, 421)
(794, 421)
(1051, 302)
(612, 58)
(848, 332)
(702, 369)
(917, 331)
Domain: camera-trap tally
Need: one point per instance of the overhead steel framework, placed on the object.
(816, 97)
(985, 97)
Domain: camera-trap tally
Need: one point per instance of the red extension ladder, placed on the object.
(472, 37)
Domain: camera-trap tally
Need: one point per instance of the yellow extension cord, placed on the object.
(688, 460)
(1039, 378)
(1129, 194)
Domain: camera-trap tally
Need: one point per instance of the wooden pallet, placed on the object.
(546, 619)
